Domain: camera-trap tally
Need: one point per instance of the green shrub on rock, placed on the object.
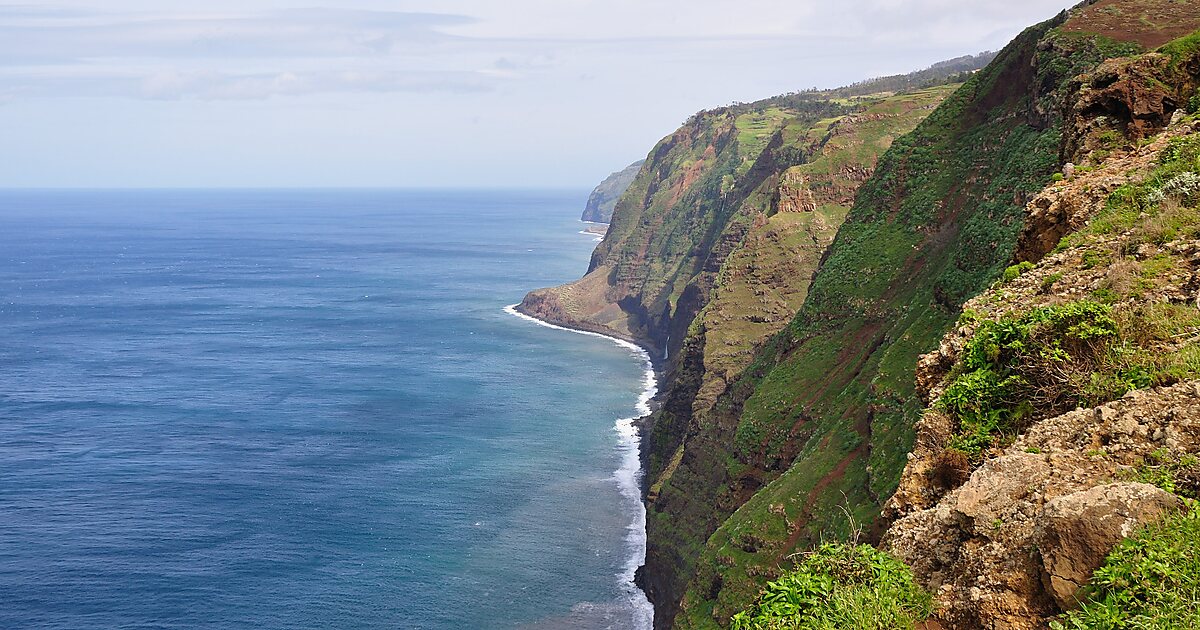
(1048, 360)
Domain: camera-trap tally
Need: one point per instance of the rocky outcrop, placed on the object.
(603, 200)
(795, 195)
(1122, 102)
(1078, 530)
(1010, 547)
(1068, 205)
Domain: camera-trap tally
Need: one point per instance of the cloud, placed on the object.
(229, 52)
(47, 52)
(168, 84)
(215, 86)
(284, 33)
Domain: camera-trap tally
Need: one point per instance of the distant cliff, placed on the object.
(604, 197)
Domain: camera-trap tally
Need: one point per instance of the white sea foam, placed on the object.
(595, 237)
(598, 237)
(628, 477)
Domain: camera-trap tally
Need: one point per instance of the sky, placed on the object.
(424, 93)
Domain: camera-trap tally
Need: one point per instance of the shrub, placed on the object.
(1042, 362)
(1048, 281)
(1013, 272)
(1184, 187)
(840, 586)
(1175, 474)
(1056, 358)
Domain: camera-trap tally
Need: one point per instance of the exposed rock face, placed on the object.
(1068, 205)
(1123, 99)
(604, 197)
(1122, 102)
(1078, 530)
(794, 193)
(1009, 548)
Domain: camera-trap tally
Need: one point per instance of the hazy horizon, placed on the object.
(455, 94)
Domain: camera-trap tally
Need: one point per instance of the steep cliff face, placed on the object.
(1020, 482)
(811, 438)
(604, 197)
(758, 290)
(690, 205)
(795, 257)
(814, 432)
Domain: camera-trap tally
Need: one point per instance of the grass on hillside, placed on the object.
(840, 586)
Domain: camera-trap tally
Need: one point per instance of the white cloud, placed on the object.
(240, 53)
(425, 92)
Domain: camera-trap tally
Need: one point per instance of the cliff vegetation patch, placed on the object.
(1127, 332)
(840, 586)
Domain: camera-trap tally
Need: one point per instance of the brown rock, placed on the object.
(1126, 98)
(1077, 531)
(1009, 547)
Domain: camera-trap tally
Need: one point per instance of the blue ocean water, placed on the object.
(306, 409)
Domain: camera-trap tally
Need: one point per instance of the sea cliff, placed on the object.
(797, 259)
(603, 200)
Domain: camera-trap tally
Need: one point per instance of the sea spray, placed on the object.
(628, 476)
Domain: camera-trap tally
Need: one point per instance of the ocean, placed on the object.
(309, 409)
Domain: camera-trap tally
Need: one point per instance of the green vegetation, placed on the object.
(1056, 358)
(1149, 581)
(840, 586)
(1177, 474)
(1158, 209)
(1044, 361)
(1015, 271)
(1084, 353)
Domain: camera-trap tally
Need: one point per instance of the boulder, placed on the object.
(1078, 530)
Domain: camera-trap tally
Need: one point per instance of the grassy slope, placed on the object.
(932, 228)
(833, 396)
(762, 284)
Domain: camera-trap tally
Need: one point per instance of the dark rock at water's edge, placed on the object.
(604, 197)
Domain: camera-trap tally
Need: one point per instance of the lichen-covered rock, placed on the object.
(1046, 506)
(1078, 530)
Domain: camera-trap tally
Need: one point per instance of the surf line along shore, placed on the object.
(629, 475)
